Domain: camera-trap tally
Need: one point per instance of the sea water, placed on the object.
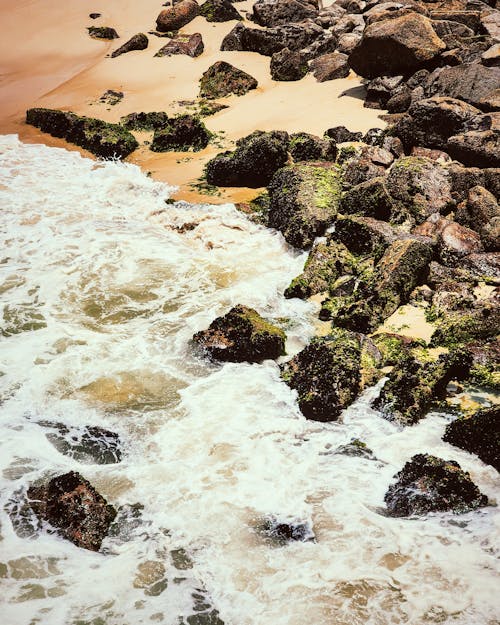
(103, 284)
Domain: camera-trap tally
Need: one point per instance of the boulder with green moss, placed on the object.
(103, 32)
(304, 201)
(365, 236)
(145, 121)
(370, 199)
(181, 134)
(222, 79)
(252, 163)
(326, 375)
(417, 382)
(430, 484)
(241, 335)
(368, 162)
(219, 11)
(394, 348)
(95, 135)
(478, 434)
(307, 147)
(485, 369)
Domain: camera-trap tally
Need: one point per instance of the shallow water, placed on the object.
(102, 289)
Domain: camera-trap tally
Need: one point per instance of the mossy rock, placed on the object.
(99, 137)
(219, 11)
(102, 32)
(304, 201)
(461, 326)
(181, 134)
(430, 484)
(370, 199)
(257, 209)
(242, 335)
(307, 147)
(222, 79)
(478, 434)
(485, 369)
(394, 347)
(145, 121)
(326, 375)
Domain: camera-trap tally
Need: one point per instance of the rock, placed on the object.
(241, 335)
(481, 212)
(145, 121)
(325, 264)
(177, 16)
(279, 12)
(90, 444)
(281, 532)
(375, 137)
(454, 34)
(306, 147)
(429, 484)
(472, 82)
(191, 45)
(479, 148)
(94, 16)
(381, 89)
(415, 384)
(485, 370)
(253, 163)
(456, 241)
(396, 46)
(219, 11)
(369, 162)
(73, 506)
(478, 434)
(99, 137)
(347, 42)
(491, 57)
(326, 375)
(111, 97)
(434, 155)
(355, 449)
(394, 348)
(288, 66)
(365, 236)
(222, 79)
(485, 265)
(490, 22)
(370, 199)
(431, 122)
(330, 67)
(304, 201)
(418, 187)
(137, 42)
(181, 134)
(102, 32)
(340, 134)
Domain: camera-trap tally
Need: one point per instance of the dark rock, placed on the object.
(369, 198)
(253, 163)
(478, 434)
(396, 46)
(288, 66)
(177, 16)
(94, 16)
(375, 137)
(365, 236)
(491, 57)
(279, 12)
(452, 33)
(99, 137)
(191, 45)
(356, 449)
(102, 32)
(326, 375)
(73, 506)
(370, 162)
(89, 444)
(242, 335)
(145, 121)
(485, 370)
(481, 212)
(340, 134)
(219, 11)
(222, 79)
(181, 134)
(330, 67)
(306, 147)
(470, 19)
(111, 97)
(381, 89)
(280, 532)
(137, 42)
(416, 384)
(480, 148)
(430, 484)
(347, 42)
(304, 201)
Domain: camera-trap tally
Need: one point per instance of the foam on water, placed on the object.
(102, 288)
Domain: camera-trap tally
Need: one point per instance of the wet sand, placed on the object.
(48, 59)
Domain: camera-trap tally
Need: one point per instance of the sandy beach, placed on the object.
(52, 62)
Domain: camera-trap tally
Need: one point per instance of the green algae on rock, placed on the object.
(181, 134)
(307, 147)
(242, 335)
(219, 11)
(99, 137)
(145, 121)
(222, 79)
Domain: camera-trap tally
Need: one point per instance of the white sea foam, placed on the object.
(92, 260)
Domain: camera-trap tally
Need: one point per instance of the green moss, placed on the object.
(346, 153)
(487, 376)
(328, 187)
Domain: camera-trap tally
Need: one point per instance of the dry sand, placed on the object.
(48, 59)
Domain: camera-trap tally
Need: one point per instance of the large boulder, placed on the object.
(177, 16)
(241, 335)
(417, 383)
(330, 66)
(396, 46)
(326, 375)
(365, 236)
(430, 484)
(181, 134)
(288, 66)
(478, 147)
(478, 434)
(253, 163)
(190, 45)
(304, 201)
(72, 505)
(370, 199)
(219, 11)
(307, 147)
(278, 12)
(137, 42)
(97, 136)
(222, 79)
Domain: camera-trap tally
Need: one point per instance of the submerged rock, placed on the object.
(99, 137)
(478, 434)
(87, 445)
(326, 375)
(181, 134)
(253, 163)
(137, 42)
(430, 484)
(223, 79)
(73, 506)
(280, 532)
(242, 335)
(304, 201)
(177, 16)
